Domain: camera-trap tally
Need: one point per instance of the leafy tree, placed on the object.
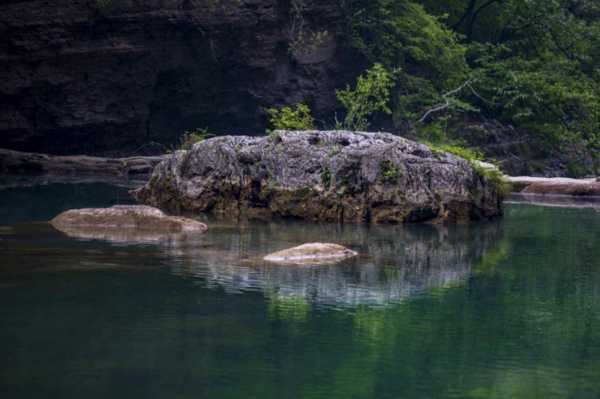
(370, 96)
(401, 34)
(297, 117)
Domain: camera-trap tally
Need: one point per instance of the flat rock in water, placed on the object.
(337, 176)
(126, 221)
(33, 163)
(555, 186)
(311, 254)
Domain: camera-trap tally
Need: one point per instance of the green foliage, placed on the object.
(326, 177)
(550, 97)
(191, 137)
(297, 117)
(531, 64)
(402, 34)
(389, 172)
(494, 178)
(458, 149)
(370, 96)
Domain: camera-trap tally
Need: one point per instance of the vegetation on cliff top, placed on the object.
(531, 64)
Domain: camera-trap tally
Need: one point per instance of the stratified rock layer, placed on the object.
(111, 76)
(329, 176)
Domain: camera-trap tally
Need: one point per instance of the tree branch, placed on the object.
(446, 97)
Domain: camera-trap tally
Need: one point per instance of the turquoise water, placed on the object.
(506, 309)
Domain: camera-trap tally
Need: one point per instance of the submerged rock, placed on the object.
(123, 222)
(311, 254)
(322, 175)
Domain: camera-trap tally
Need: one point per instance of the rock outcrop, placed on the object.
(15, 162)
(311, 254)
(328, 176)
(108, 76)
(124, 221)
(555, 186)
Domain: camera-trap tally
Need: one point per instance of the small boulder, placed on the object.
(311, 254)
(135, 217)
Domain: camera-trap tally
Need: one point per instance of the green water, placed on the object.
(508, 309)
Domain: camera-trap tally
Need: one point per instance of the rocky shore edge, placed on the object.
(16, 162)
(140, 168)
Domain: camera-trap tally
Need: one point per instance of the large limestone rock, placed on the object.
(327, 175)
(123, 223)
(311, 254)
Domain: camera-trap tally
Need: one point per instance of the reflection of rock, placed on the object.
(395, 262)
(555, 200)
(120, 235)
(123, 223)
(311, 254)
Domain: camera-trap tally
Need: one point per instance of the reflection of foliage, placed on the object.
(290, 308)
(370, 322)
(490, 260)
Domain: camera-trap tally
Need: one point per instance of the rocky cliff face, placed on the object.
(328, 176)
(107, 76)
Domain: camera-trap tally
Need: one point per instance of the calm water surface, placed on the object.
(509, 309)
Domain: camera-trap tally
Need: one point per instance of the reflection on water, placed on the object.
(499, 310)
(394, 262)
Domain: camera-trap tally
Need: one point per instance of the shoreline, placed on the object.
(19, 163)
(19, 168)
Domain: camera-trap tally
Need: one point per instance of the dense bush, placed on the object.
(297, 117)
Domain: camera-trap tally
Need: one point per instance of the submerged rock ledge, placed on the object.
(322, 175)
